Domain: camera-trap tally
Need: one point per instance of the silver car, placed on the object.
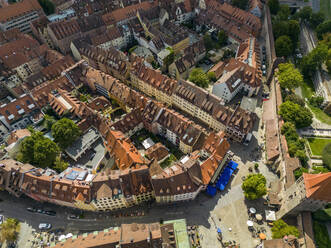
(45, 226)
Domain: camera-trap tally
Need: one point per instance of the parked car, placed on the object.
(73, 216)
(44, 226)
(40, 211)
(264, 73)
(50, 213)
(33, 210)
(92, 155)
(1, 219)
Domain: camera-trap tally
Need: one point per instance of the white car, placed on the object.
(45, 226)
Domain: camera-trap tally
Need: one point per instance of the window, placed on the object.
(18, 107)
(28, 102)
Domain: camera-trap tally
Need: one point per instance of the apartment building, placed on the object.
(20, 112)
(20, 15)
(237, 23)
(241, 74)
(23, 56)
(126, 236)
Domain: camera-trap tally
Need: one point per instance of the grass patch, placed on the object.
(320, 115)
(317, 145)
(168, 161)
(307, 89)
(325, 7)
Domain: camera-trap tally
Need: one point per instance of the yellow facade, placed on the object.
(84, 206)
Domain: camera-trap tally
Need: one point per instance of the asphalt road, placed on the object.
(196, 212)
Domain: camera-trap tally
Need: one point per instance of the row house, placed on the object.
(110, 61)
(112, 37)
(126, 236)
(179, 11)
(180, 182)
(64, 32)
(124, 15)
(19, 15)
(152, 82)
(174, 127)
(39, 30)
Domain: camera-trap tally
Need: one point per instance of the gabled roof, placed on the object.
(318, 186)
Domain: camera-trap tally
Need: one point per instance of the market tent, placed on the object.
(211, 190)
(270, 215)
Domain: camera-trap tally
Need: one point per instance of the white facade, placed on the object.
(222, 90)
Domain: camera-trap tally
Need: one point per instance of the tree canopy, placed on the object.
(38, 150)
(208, 42)
(60, 165)
(288, 76)
(281, 229)
(299, 116)
(48, 6)
(254, 186)
(273, 6)
(283, 46)
(9, 230)
(323, 28)
(296, 99)
(326, 156)
(65, 132)
(222, 38)
(199, 78)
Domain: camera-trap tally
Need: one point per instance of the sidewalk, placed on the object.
(25, 236)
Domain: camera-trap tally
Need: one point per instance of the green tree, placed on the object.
(254, 186)
(292, 112)
(209, 44)
(288, 76)
(281, 229)
(222, 38)
(273, 6)
(48, 6)
(301, 155)
(321, 235)
(26, 153)
(298, 173)
(65, 132)
(49, 121)
(316, 101)
(319, 55)
(198, 77)
(316, 19)
(45, 152)
(326, 156)
(279, 28)
(284, 12)
(305, 13)
(283, 46)
(211, 76)
(9, 230)
(296, 99)
(323, 28)
(294, 31)
(60, 165)
(169, 59)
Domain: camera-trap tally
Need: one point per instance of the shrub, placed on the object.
(281, 229)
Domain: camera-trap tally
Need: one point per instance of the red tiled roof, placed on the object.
(318, 186)
(18, 9)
